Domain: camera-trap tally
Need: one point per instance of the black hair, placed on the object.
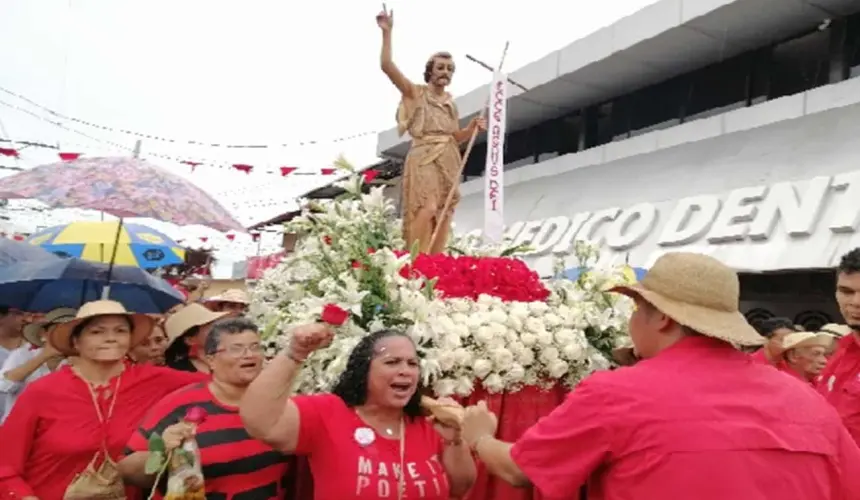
(79, 328)
(229, 326)
(178, 349)
(428, 68)
(351, 387)
(850, 262)
(4, 310)
(767, 327)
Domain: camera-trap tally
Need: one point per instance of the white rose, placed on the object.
(446, 360)
(548, 355)
(551, 320)
(475, 321)
(528, 339)
(460, 319)
(461, 306)
(545, 338)
(565, 336)
(497, 343)
(534, 325)
(498, 316)
(464, 386)
(494, 383)
(511, 335)
(484, 334)
(502, 357)
(515, 346)
(463, 356)
(498, 329)
(526, 357)
(516, 373)
(518, 310)
(558, 369)
(573, 352)
(444, 387)
(538, 308)
(450, 341)
(442, 324)
(515, 323)
(486, 299)
(482, 367)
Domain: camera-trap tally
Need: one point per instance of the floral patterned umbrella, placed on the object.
(124, 187)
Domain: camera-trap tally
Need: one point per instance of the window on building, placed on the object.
(719, 88)
(852, 45)
(658, 106)
(800, 64)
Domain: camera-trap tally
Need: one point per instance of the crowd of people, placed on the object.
(693, 415)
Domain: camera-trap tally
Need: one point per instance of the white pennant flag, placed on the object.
(494, 170)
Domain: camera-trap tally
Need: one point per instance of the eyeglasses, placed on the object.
(240, 350)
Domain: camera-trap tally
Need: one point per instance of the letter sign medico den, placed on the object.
(588, 232)
(565, 245)
(799, 218)
(690, 220)
(846, 213)
(738, 211)
(631, 227)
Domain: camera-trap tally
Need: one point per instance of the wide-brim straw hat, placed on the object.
(806, 339)
(34, 332)
(188, 317)
(836, 329)
(61, 335)
(699, 292)
(233, 296)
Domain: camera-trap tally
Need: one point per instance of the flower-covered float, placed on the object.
(486, 326)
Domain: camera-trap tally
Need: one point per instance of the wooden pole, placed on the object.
(463, 161)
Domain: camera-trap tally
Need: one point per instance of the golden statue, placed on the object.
(430, 171)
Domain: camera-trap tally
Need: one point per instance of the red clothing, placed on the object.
(785, 368)
(761, 358)
(840, 383)
(53, 431)
(699, 420)
(234, 464)
(342, 468)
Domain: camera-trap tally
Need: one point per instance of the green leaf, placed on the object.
(413, 252)
(155, 443)
(154, 462)
(430, 287)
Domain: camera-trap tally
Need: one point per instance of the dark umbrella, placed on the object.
(12, 251)
(47, 285)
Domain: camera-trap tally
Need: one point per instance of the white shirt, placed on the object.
(10, 390)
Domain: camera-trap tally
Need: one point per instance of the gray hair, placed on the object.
(229, 326)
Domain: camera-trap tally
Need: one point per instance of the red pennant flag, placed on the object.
(18, 237)
(328, 171)
(69, 156)
(204, 239)
(370, 174)
(285, 171)
(243, 167)
(192, 164)
(231, 237)
(255, 236)
(9, 152)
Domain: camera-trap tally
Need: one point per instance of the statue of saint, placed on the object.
(430, 172)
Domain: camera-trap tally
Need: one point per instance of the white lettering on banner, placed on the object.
(494, 168)
(690, 220)
(747, 213)
(421, 478)
(631, 227)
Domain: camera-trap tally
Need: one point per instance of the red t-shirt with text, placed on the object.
(346, 463)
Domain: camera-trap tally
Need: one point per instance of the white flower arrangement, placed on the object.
(345, 258)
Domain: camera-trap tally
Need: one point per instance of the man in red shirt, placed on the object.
(804, 354)
(695, 418)
(774, 330)
(840, 380)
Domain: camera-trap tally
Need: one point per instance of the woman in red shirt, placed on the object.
(67, 421)
(367, 439)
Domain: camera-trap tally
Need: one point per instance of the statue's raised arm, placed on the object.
(385, 21)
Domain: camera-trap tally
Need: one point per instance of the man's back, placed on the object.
(704, 421)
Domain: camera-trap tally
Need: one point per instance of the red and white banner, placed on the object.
(494, 170)
(257, 266)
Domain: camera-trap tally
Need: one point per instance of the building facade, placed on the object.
(722, 127)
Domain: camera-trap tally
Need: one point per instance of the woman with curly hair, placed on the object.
(367, 439)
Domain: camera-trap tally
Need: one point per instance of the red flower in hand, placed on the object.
(334, 315)
(195, 415)
(327, 240)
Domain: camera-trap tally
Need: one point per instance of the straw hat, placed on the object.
(188, 317)
(698, 292)
(34, 332)
(233, 295)
(61, 335)
(806, 339)
(836, 330)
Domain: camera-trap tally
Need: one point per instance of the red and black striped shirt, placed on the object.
(235, 466)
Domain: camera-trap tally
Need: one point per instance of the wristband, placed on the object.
(479, 441)
(297, 360)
